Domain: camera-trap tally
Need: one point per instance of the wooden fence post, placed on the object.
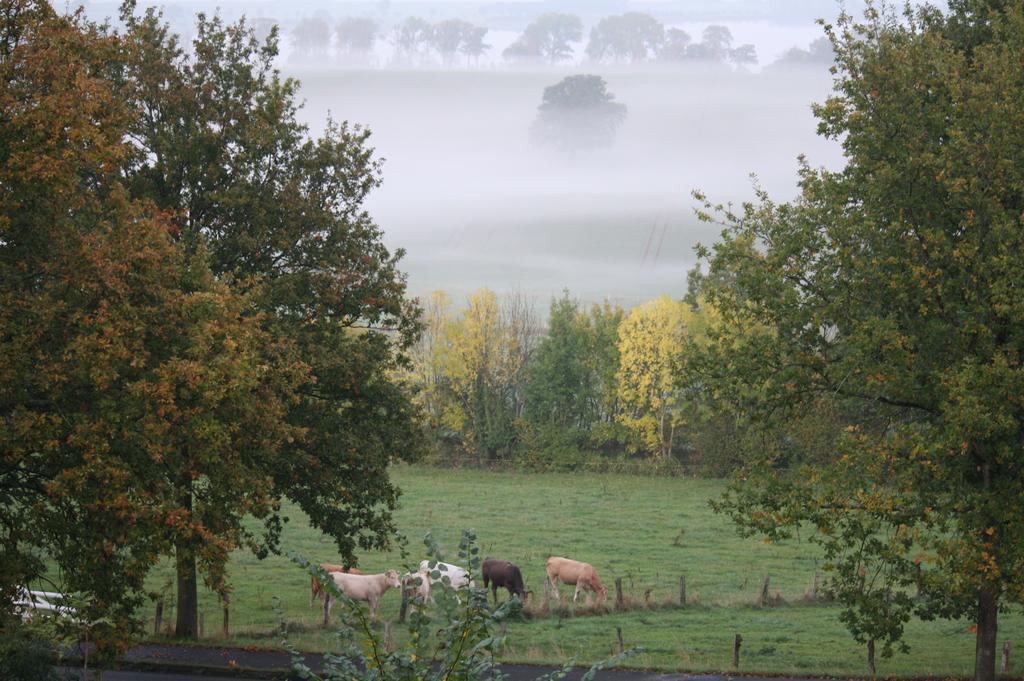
(682, 591)
(387, 636)
(327, 606)
(405, 603)
(816, 587)
(736, 643)
(871, 656)
(225, 629)
(763, 601)
(158, 620)
(1006, 657)
(619, 604)
(622, 644)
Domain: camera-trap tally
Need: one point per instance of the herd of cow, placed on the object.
(496, 574)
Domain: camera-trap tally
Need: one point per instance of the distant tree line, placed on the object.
(415, 42)
(598, 388)
(552, 39)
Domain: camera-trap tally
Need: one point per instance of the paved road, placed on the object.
(515, 672)
(188, 663)
(117, 675)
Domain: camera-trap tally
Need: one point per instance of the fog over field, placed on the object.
(476, 204)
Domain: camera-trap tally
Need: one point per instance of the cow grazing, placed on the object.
(367, 588)
(315, 590)
(583, 575)
(457, 576)
(417, 585)
(505, 574)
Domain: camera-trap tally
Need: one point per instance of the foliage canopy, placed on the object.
(197, 316)
(893, 286)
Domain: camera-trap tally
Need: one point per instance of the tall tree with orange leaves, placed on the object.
(127, 366)
(218, 147)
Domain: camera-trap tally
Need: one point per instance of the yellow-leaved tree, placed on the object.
(427, 357)
(483, 354)
(652, 385)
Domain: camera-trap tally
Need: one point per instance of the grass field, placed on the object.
(649, 532)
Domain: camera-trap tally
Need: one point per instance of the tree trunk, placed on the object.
(187, 624)
(661, 432)
(985, 650)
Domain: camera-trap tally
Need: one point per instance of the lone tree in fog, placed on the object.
(547, 39)
(632, 37)
(578, 113)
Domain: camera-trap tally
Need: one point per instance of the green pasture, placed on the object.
(647, 531)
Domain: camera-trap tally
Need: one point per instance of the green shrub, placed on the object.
(27, 653)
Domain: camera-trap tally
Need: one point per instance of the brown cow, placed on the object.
(316, 591)
(583, 575)
(503, 573)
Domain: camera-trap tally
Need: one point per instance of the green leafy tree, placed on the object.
(279, 216)
(485, 352)
(129, 371)
(893, 285)
(559, 387)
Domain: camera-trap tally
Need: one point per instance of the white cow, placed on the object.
(417, 584)
(367, 588)
(457, 576)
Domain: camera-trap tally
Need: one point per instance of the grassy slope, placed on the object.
(627, 527)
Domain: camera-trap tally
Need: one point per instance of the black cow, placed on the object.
(503, 573)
